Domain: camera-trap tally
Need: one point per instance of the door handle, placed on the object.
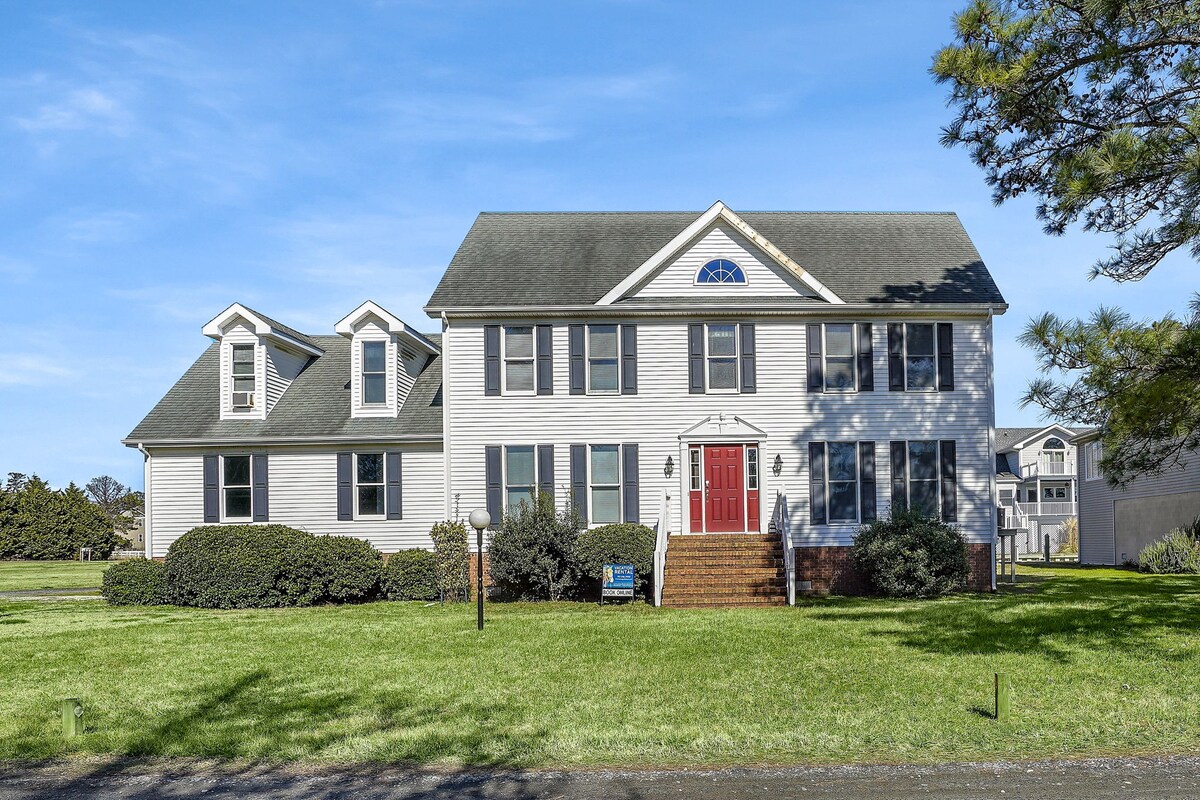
(706, 490)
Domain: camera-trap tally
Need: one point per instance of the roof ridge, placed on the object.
(697, 213)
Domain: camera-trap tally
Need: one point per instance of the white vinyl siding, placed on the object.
(282, 367)
(302, 493)
(782, 407)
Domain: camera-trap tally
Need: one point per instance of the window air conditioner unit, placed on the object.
(243, 399)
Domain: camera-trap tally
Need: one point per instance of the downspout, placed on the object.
(146, 519)
(992, 515)
(446, 478)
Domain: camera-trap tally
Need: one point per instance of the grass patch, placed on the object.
(18, 575)
(1103, 662)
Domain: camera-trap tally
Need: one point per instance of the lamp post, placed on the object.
(479, 519)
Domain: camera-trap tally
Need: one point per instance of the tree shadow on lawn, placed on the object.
(1128, 614)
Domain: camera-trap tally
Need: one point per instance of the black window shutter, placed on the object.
(259, 493)
(395, 485)
(949, 474)
(579, 498)
(491, 359)
(816, 374)
(896, 356)
(945, 348)
(345, 486)
(630, 496)
(493, 481)
(817, 514)
(696, 358)
(212, 489)
(749, 362)
(899, 476)
(866, 481)
(866, 355)
(545, 359)
(629, 359)
(575, 334)
(545, 468)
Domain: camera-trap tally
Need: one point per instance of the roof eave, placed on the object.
(258, 441)
(780, 309)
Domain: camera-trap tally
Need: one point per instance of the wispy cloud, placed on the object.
(80, 109)
(27, 369)
(104, 227)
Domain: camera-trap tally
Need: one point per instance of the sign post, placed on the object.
(616, 581)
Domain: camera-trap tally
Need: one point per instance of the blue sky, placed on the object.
(162, 160)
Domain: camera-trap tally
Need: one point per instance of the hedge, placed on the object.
(137, 582)
(411, 575)
(620, 543)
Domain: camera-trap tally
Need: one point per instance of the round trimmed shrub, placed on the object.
(532, 555)
(1174, 554)
(411, 575)
(267, 566)
(137, 582)
(348, 569)
(911, 555)
(619, 543)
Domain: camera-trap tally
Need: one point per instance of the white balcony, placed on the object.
(1055, 508)
(1044, 468)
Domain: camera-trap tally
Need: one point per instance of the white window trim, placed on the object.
(908, 478)
(249, 485)
(936, 360)
(757, 470)
(362, 372)
(592, 485)
(1092, 453)
(382, 485)
(696, 476)
(829, 520)
(853, 359)
(532, 361)
(737, 359)
(504, 484)
(258, 397)
(696, 275)
(587, 359)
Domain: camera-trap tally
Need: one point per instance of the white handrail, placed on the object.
(662, 534)
(784, 528)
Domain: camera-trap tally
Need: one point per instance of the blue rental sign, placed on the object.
(617, 581)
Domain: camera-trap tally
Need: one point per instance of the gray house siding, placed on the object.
(1114, 524)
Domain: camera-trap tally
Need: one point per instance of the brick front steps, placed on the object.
(724, 569)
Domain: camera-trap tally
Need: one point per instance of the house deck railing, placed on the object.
(1044, 468)
(1051, 509)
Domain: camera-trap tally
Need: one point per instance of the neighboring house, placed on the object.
(1036, 482)
(1115, 524)
(769, 381)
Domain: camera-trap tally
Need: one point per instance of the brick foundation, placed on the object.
(832, 571)
(472, 579)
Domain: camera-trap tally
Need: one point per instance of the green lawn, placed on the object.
(1103, 661)
(16, 575)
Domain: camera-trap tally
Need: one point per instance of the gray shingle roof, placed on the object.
(279, 326)
(317, 404)
(517, 259)
(1007, 437)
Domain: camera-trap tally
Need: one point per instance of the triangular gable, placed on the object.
(717, 215)
(723, 426)
(389, 322)
(262, 326)
(1067, 436)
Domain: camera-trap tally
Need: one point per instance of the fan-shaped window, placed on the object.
(1054, 443)
(720, 270)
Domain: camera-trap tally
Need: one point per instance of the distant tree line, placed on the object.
(40, 522)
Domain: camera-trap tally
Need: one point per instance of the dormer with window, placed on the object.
(386, 356)
(259, 359)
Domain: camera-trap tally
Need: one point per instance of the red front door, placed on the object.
(725, 487)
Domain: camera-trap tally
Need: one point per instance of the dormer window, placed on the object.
(243, 376)
(720, 270)
(374, 373)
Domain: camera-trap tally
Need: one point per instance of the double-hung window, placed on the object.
(370, 485)
(235, 487)
(843, 481)
(923, 477)
(243, 374)
(920, 357)
(839, 357)
(1092, 453)
(518, 359)
(374, 373)
(722, 356)
(605, 483)
(602, 359)
(520, 482)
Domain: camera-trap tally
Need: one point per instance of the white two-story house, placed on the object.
(1037, 483)
(753, 386)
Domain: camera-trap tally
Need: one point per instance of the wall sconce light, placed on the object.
(777, 465)
(669, 467)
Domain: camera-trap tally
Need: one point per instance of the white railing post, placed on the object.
(784, 528)
(662, 532)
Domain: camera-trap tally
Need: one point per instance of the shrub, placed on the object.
(267, 566)
(348, 569)
(620, 543)
(450, 547)
(531, 556)
(411, 575)
(910, 555)
(137, 582)
(1174, 554)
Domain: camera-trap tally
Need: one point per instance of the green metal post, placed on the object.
(1003, 696)
(72, 717)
